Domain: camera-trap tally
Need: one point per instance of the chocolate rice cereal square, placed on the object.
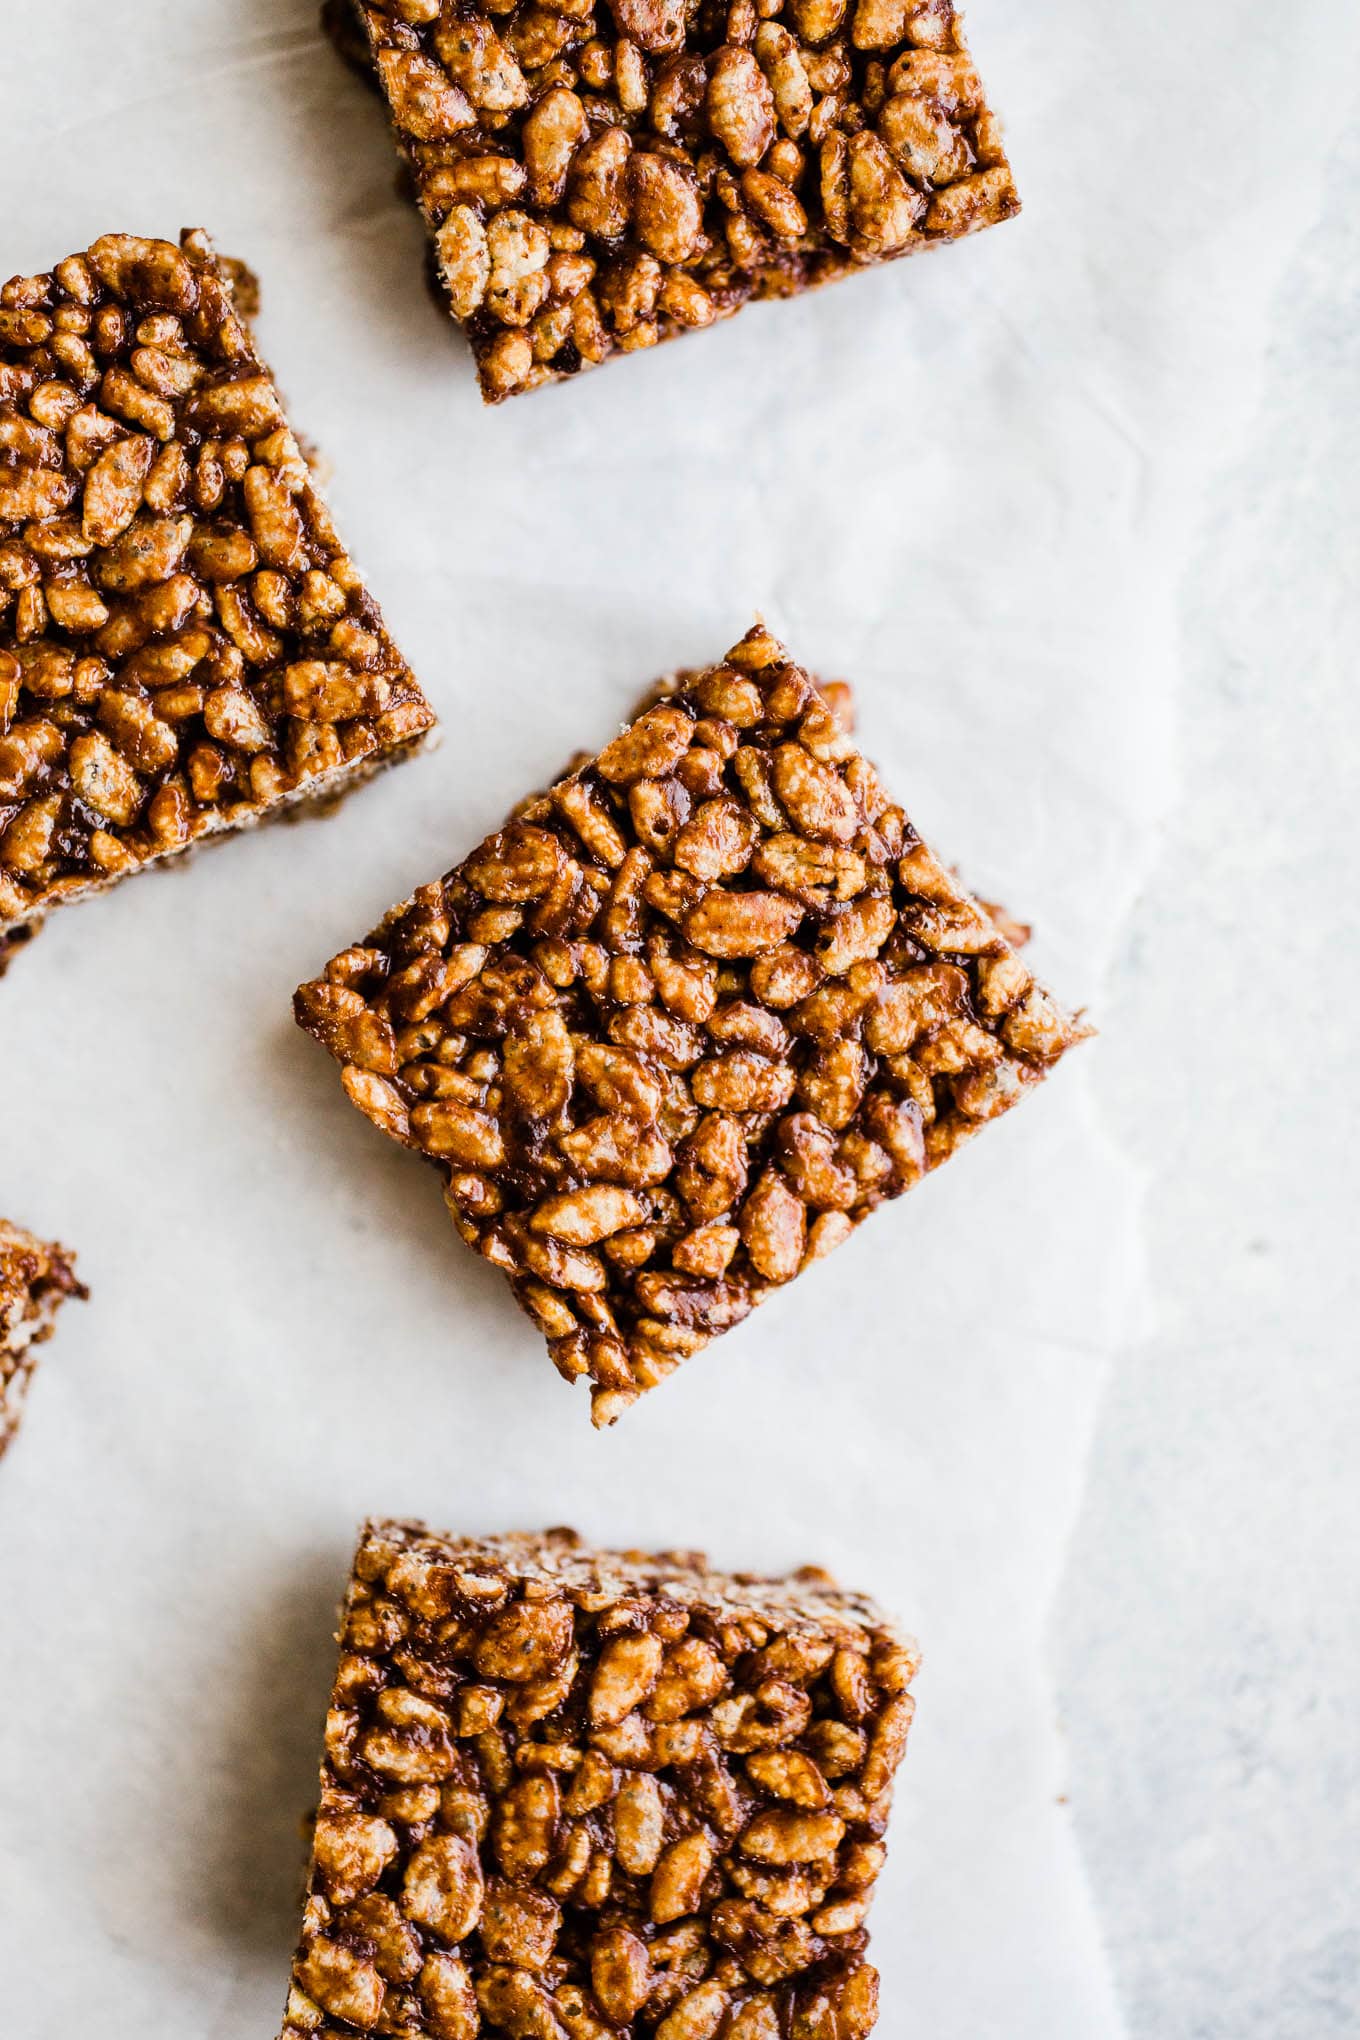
(671, 1034)
(580, 1795)
(604, 174)
(186, 648)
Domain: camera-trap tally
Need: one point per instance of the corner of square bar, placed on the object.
(36, 1278)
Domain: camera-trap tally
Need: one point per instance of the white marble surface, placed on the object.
(1073, 505)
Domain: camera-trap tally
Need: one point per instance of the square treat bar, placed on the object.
(185, 646)
(683, 1023)
(35, 1280)
(603, 175)
(580, 1795)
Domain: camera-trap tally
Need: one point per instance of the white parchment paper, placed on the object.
(966, 483)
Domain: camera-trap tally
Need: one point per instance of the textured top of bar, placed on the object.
(676, 1029)
(184, 644)
(560, 1561)
(598, 178)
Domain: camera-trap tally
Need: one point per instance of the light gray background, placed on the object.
(1207, 1629)
(1076, 506)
